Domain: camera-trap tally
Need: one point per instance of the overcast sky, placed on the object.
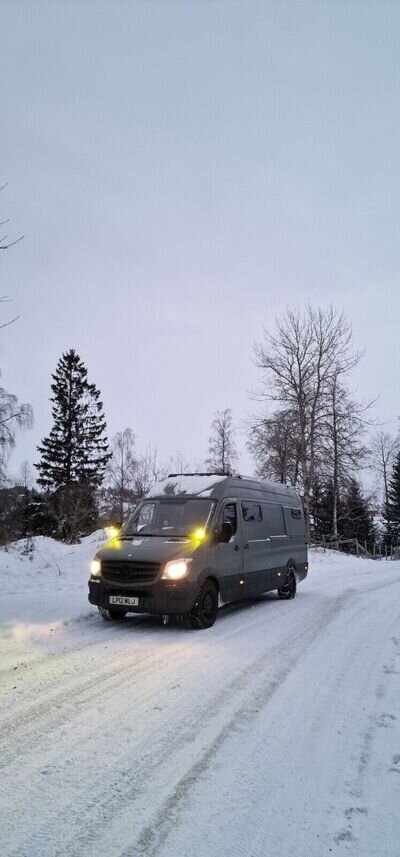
(181, 172)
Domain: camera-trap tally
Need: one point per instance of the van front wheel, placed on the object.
(204, 611)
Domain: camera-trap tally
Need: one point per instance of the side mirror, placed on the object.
(225, 533)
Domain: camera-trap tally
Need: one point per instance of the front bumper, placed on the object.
(161, 597)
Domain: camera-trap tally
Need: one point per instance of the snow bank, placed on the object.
(47, 583)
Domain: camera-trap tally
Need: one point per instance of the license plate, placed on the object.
(124, 600)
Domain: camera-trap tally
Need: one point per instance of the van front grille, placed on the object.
(129, 572)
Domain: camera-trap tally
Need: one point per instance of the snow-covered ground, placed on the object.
(46, 586)
(274, 734)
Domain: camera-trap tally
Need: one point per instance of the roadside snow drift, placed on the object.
(274, 734)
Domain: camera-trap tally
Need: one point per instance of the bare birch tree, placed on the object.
(222, 452)
(298, 361)
(5, 242)
(178, 464)
(26, 476)
(342, 430)
(149, 470)
(121, 471)
(383, 449)
(13, 416)
(273, 443)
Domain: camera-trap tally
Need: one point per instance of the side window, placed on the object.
(294, 522)
(229, 513)
(275, 522)
(252, 512)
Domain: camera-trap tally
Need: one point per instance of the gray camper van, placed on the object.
(200, 540)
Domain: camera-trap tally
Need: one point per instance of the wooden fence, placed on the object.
(373, 550)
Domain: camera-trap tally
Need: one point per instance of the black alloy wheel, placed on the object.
(288, 591)
(204, 612)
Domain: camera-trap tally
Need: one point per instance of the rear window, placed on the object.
(252, 512)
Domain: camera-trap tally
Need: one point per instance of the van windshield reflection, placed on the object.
(169, 517)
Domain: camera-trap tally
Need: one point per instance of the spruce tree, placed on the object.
(356, 520)
(321, 511)
(75, 453)
(392, 510)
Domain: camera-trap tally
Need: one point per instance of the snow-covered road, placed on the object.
(277, 732)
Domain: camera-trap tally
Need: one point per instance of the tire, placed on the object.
(204, 611)
(112, 614)
(288, 591)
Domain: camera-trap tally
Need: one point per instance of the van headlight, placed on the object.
(176, 569)
(95, 568)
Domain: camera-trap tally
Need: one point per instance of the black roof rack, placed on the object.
(197, 473)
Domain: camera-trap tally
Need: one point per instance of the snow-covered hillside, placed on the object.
(277, 732)
(48, 583)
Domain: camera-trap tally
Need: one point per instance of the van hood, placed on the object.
(148, 549)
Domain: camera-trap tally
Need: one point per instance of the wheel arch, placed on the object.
(210, 573)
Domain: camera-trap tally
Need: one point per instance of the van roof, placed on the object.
(217, 485)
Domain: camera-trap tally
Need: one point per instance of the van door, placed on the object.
(228, 557)
(258, 572)
(279, 542)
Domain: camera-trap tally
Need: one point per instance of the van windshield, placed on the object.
(169, 517)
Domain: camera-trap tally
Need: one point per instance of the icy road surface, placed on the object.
(274, 734)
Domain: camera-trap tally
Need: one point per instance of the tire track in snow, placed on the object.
(60, 705)
(153, 837)
(64, 705)
(42, 726)
(114, 792)
(260, 689)
(260, 793)
(84, 827)
(356, 816)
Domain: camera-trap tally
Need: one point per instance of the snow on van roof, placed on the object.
(182, 484)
